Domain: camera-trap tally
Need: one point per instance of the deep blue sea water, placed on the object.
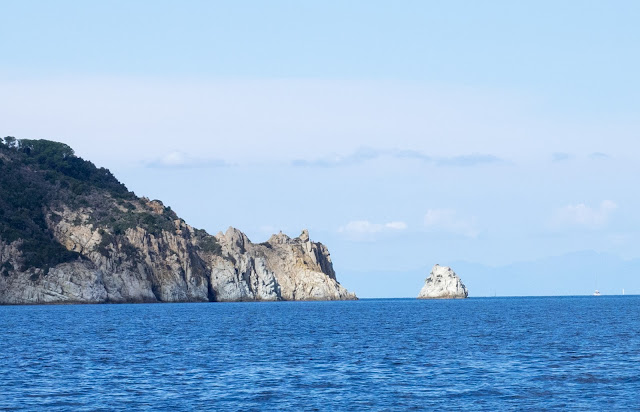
(396, 354)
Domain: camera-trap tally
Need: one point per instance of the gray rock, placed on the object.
(138, 266)
(443, 283)
(280, 269)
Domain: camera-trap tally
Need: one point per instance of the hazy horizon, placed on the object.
(498, 138)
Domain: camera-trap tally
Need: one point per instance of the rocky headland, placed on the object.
(443, 283)
(71, 233)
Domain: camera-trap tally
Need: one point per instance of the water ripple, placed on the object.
(497, 353)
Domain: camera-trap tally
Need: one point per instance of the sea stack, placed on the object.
(443, 283)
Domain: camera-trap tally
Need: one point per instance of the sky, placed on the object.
(497, 137)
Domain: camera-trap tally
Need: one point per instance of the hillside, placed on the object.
(71, 232)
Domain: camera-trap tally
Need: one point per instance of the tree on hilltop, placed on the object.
(10, 141)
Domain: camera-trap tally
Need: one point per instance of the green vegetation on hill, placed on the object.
(118, 221)
(38, 178)
(36, 175)
(25, 193)
(208, 243)
(61, 165)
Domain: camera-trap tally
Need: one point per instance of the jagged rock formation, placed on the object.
(280, 268)
(443, 283)
(86, 239)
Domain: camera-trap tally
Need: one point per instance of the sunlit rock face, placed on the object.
(443, 283)
(281, 268)
(71, 233)
(170, 266)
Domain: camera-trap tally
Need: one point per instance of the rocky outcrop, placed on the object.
(71, 232)
(138, 266)
(443, 283)
(282, 268)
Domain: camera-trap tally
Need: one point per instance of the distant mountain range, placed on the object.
(579, 273)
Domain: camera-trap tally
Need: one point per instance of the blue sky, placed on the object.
(402, 134)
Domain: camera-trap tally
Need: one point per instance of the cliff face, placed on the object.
(281, 268)
(443, 283)
(107, 245)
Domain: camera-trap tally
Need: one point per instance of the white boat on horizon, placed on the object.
(596, 293)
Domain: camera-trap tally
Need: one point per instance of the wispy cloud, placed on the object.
(560, 157)
(449, 221)
(395, 225)
(585, 216)
(412, 154)
(468, 160)
(364, 229)
(598, 156)
(365, 154)
(181, 160)
(361, 155)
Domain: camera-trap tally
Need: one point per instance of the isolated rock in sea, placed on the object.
(443, 283)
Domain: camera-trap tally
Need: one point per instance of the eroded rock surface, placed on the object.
(71, 232)
(281, 268)
(443, 283)
(138, 266)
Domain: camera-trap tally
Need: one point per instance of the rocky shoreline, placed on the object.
(72, 233)
(172, 268)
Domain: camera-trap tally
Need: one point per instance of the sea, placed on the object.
(515, 353)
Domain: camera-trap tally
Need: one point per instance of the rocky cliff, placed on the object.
(70, 233)
(443, 283)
